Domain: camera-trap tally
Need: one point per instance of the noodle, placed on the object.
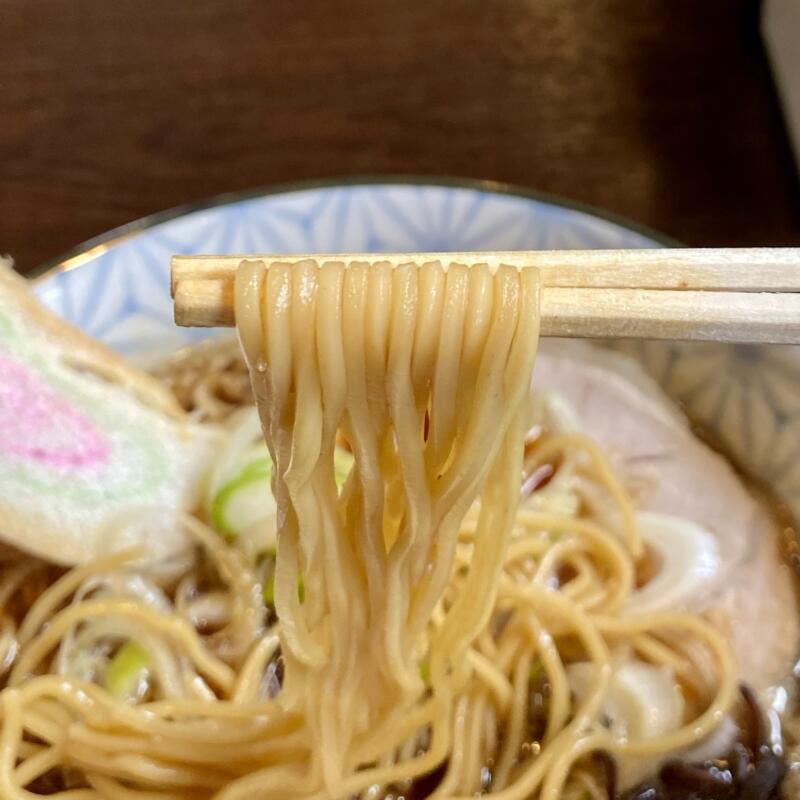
(385, 539)
(426, 624)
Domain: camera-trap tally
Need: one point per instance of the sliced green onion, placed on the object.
(260, 468)
(243, 500)
(425, 671)
(126, 671)
(342, 464)
(268, 589)
(267, 575)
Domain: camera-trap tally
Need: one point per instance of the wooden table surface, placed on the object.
(659, 110)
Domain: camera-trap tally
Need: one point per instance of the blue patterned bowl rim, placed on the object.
(84, 251)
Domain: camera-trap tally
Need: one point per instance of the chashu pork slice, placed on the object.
(752, 594)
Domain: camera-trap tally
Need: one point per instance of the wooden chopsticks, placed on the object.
(726, 295)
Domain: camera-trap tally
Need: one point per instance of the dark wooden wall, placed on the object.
(659, 110)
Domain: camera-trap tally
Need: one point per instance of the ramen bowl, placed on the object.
(746, 399)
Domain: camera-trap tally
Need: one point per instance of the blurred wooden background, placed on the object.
(659, 110)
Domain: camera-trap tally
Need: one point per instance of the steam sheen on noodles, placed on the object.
(431, 630)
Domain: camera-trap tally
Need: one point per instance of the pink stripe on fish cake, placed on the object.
(39, 425)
